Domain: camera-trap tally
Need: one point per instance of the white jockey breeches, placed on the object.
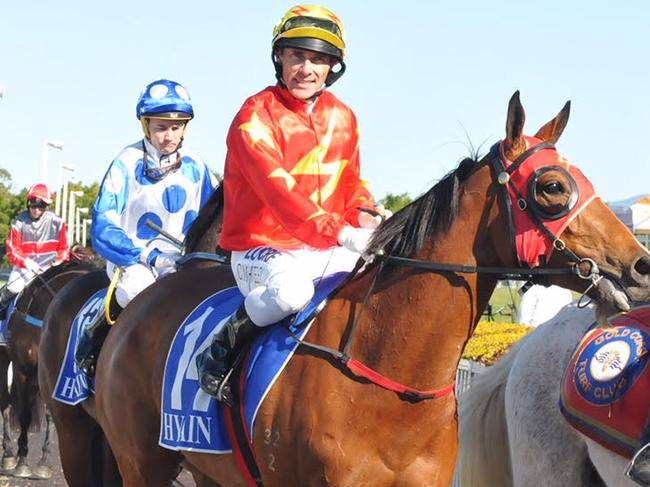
(133, 279)
(277, 283)
(18, 279)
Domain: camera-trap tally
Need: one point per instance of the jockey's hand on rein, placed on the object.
(32, 266)
(166, 260)
(355, 239)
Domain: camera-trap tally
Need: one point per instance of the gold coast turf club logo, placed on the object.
(610, 363)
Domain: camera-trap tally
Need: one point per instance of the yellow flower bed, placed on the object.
(491, 339)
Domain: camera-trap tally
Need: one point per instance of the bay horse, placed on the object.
(512, 432)
(85, 456)
(436, 264)
(22, 351)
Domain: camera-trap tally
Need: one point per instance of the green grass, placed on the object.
(502, 301)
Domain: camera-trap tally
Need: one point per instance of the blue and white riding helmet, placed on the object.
(164, 99)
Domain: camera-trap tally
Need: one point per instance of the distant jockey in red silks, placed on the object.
(36, 241)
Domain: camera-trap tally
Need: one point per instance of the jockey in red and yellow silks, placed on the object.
(292, 189)
(292, 173)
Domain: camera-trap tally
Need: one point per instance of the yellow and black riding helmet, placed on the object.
(314, 28)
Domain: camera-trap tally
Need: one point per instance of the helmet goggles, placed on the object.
(37, 203)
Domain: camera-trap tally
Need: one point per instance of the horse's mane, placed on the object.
(405, 232)
(211, 211)
(73, 264)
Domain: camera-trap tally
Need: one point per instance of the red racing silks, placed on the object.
(42, 240)
(531, 243)
(292, 172)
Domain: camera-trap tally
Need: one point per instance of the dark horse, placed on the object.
(85, 456)
(22, 351)
(410, 317)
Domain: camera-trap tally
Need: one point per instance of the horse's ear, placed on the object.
(514, 127)
(552, 130)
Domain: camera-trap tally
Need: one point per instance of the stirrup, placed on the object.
(639, 467)
(86, 354)
(217, 386)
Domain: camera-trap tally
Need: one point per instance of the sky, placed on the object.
(426, 79)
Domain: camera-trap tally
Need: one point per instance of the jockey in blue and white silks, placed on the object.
(156, 180)
(128, 197)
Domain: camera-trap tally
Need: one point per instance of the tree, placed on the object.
(10, 205)
(396, 202)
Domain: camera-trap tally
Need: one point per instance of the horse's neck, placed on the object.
(51, 281)
(417, 322)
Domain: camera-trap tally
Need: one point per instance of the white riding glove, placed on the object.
(355, 239)
(166, 260)
(32, 266)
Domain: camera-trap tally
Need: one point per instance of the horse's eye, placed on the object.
(553, 187)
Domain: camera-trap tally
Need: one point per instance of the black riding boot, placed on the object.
(639, 467)
(5, 298)
(91, 341)
(215, 362)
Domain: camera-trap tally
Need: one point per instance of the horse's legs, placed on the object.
(110, 473)
(42, 469)
(8, 458)
(78, 442)
(9, 461)
(153, 467)
(202, 481)
(26, 397)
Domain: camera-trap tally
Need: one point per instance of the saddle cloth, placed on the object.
(193, 420)
(605, 391)
(73, 386)
(4, 324)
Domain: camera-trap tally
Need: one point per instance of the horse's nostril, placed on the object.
(642, 266)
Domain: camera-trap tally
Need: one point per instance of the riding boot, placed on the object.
(91, 341)
(639, 467)
(215, 363)
(5, 298)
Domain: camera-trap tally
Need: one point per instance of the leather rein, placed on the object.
(502, 176)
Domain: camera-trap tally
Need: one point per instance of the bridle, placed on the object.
(583, 267)
(503, 174)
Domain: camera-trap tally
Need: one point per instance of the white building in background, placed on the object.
(540, 303)
(635, 213)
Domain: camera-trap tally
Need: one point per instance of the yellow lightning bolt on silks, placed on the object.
(282, 173)
(258, 131)
(312, 163)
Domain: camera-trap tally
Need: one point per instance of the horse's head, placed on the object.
(558, 220)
